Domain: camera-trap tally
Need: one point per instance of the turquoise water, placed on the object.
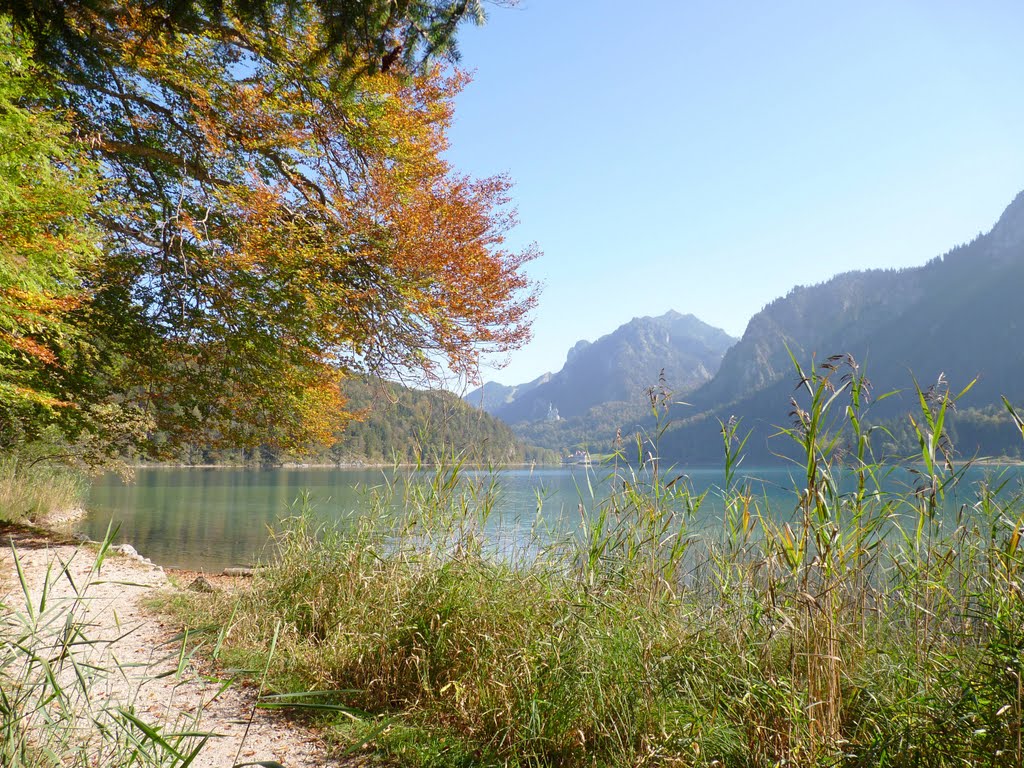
(216, 518)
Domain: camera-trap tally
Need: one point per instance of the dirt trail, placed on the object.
(143, 646)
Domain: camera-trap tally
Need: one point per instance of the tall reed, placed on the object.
(29, 490)
(858, 626)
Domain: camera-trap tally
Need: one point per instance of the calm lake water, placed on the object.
(215, 518)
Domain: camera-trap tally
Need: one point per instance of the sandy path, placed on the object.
(144, 648)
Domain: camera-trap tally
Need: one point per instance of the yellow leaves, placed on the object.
(1014, 542)
(13, 298)
(446, 235)
(305, 223)
(39, 398)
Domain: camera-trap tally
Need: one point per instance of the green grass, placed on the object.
(865, 631)
(29, 491)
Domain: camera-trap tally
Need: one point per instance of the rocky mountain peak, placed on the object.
(618, 366)
(1008, 232)
(576, 350)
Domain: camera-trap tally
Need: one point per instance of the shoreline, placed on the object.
(338, 465)
(136, 649)
(985, 461)
(61, 519)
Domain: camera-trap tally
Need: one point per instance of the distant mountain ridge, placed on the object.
(493, 396)
(615, 368)
(959, 314)
(852, 306)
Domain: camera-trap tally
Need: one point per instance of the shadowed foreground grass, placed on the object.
(856, 628)
(30, 490)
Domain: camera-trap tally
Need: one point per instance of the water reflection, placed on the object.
(216, 518)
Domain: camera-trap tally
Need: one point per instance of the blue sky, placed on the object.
(708, 156)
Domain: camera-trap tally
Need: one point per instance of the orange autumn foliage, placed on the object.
(272, 227)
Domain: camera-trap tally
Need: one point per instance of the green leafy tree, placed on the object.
(52, 356)
(275, 210)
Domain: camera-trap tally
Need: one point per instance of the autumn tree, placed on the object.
(360, 36)
(42, 246)
(275, 210)
(52, 357)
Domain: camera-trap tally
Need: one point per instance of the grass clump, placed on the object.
(30, 490)
(859, 627)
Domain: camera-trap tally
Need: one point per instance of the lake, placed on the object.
(212, 518)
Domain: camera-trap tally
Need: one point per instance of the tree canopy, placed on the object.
(359, 35)
(50, 350)
(272, 207)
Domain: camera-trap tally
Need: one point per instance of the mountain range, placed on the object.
(958, 315)
(616, 368)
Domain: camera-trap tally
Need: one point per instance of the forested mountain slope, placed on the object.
(406, 424)
(395, 423)
(958, 315)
